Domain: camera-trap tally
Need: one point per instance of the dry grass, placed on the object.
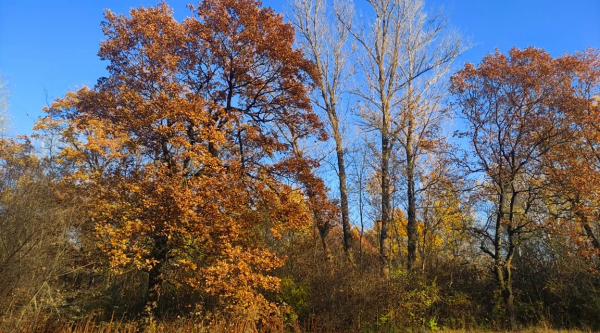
(526, 330)
(39, 324)
(48, 325)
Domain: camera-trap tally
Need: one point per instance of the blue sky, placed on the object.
(48, 48)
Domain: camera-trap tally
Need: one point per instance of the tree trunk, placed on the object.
(411, 223)
(506, 289)
(590, 234)
(502, 266)
(385, 201)
(343, 191)
(323, 232)
(155, 280)
(510, 307)
(588, 230)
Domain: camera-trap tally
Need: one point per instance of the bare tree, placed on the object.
(38, 233)
(404, 55)
(325, 41)
(428, 56)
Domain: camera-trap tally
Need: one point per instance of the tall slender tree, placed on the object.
(404, 54)
(428, 51)
(325, 41)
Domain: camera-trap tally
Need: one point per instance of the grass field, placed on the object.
(40, 325)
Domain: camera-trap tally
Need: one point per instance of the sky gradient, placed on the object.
(48, 48)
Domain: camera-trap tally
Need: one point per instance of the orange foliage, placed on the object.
(574, 169)
(179, 149)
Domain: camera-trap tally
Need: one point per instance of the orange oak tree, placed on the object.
(180, 150)
(573, 172)
(516, 109)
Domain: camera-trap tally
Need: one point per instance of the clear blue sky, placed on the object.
(49, 47)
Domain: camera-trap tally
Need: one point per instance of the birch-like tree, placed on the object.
(325, 41)
(404, 55)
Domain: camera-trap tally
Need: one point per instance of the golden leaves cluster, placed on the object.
(179, 149)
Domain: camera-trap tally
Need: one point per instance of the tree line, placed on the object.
(322, 172)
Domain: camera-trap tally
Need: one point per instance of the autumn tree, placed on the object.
(428, 51)
(573, 170)
(180, 152)
(325, 42)
(444, 216)
(404, 55)
(514, 108)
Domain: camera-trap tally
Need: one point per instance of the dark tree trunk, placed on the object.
(412, 232)
(386, 207)
(344, 196)
(323, 232)
(155, 280)
(502, 265)
(510, 307)
(590, 233)
(411, 223)
(504, 276)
